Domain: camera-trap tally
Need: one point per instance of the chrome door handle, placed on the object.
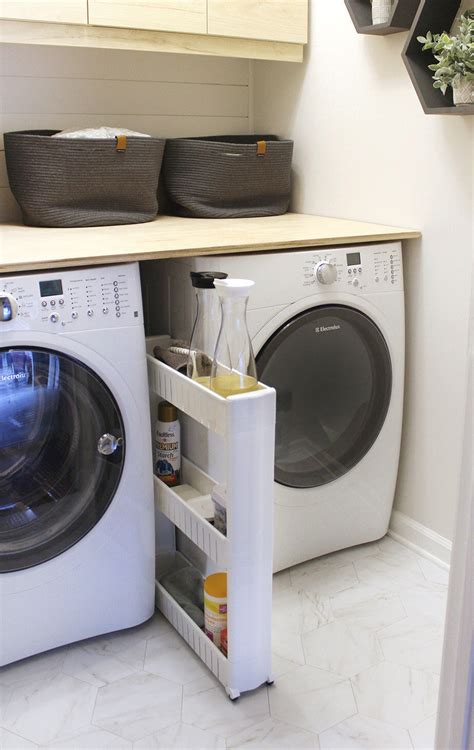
(108, 444)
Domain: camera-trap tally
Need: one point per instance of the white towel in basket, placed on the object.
(102, 132)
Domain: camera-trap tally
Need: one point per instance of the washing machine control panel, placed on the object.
(358, 270)
(79, 299)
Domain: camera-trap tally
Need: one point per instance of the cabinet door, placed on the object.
(56, 11)
(187, 16)
(273, 20)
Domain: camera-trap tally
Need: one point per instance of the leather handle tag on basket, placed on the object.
(261, 148)
(121, 143)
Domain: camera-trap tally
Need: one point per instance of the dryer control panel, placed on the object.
(72, 300)
(364, 269)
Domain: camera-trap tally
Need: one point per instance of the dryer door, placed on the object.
(332, 372)
(57, 477)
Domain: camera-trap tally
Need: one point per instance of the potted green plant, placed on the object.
(381, 11)
(454, 57)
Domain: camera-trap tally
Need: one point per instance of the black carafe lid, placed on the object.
(205, 279)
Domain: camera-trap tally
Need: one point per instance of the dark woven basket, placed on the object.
(228, 176)
(69, 182)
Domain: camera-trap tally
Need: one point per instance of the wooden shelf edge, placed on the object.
(381, 29)
(32, 248)
(463, 111)
(403, 12)
(75, 35)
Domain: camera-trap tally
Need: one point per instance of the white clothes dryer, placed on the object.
(76, 495)
(327, 327)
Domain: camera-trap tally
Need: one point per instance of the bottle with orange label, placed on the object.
(215, 609)
(168, 445)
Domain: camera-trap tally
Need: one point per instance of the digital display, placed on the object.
(50, 288)
(353, 259)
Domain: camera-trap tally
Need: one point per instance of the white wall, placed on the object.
(165, 95)
(365, 150)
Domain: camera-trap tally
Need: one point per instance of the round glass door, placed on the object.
(332, 372)
(57, 478)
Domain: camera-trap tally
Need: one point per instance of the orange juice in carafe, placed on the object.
(233, 368)
(232, 384)
(205, 380)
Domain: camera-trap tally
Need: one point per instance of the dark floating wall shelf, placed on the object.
(403, 13)
(435, 16)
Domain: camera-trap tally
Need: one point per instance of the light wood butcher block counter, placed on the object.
(29, 248)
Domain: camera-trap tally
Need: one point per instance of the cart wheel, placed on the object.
(233, 694)
(270, 682)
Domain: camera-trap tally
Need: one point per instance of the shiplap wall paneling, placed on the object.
(116, 98)
(189, 16)
(161, 94)
(9, 209)
(54, 11)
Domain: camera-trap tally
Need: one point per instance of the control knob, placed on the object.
(8, 307)
(326, 273)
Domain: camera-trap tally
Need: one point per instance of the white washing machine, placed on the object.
(328, 330)
(76, 496)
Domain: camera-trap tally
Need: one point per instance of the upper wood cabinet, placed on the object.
(277, 20)
(55, 11)
(253, 29)
(188, 16)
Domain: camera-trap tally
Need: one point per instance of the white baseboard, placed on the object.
(420, 538)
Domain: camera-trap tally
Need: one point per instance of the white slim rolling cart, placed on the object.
(247, 425)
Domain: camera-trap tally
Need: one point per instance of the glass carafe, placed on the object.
(233, 367)
(206, 325)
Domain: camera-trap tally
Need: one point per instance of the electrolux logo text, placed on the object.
(15, 376)
(325, 329)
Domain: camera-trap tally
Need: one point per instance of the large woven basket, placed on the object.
(67, 182)
(228, 176)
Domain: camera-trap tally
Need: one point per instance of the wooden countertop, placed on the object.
(29, 248)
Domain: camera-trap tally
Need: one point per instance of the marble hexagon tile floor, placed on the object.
(357, 649)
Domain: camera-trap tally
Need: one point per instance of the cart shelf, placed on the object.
(206, 407)
(246, 424)
(174, 503)
(186, 627)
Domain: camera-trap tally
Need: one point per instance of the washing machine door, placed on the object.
(332, 372)
(61, 454)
